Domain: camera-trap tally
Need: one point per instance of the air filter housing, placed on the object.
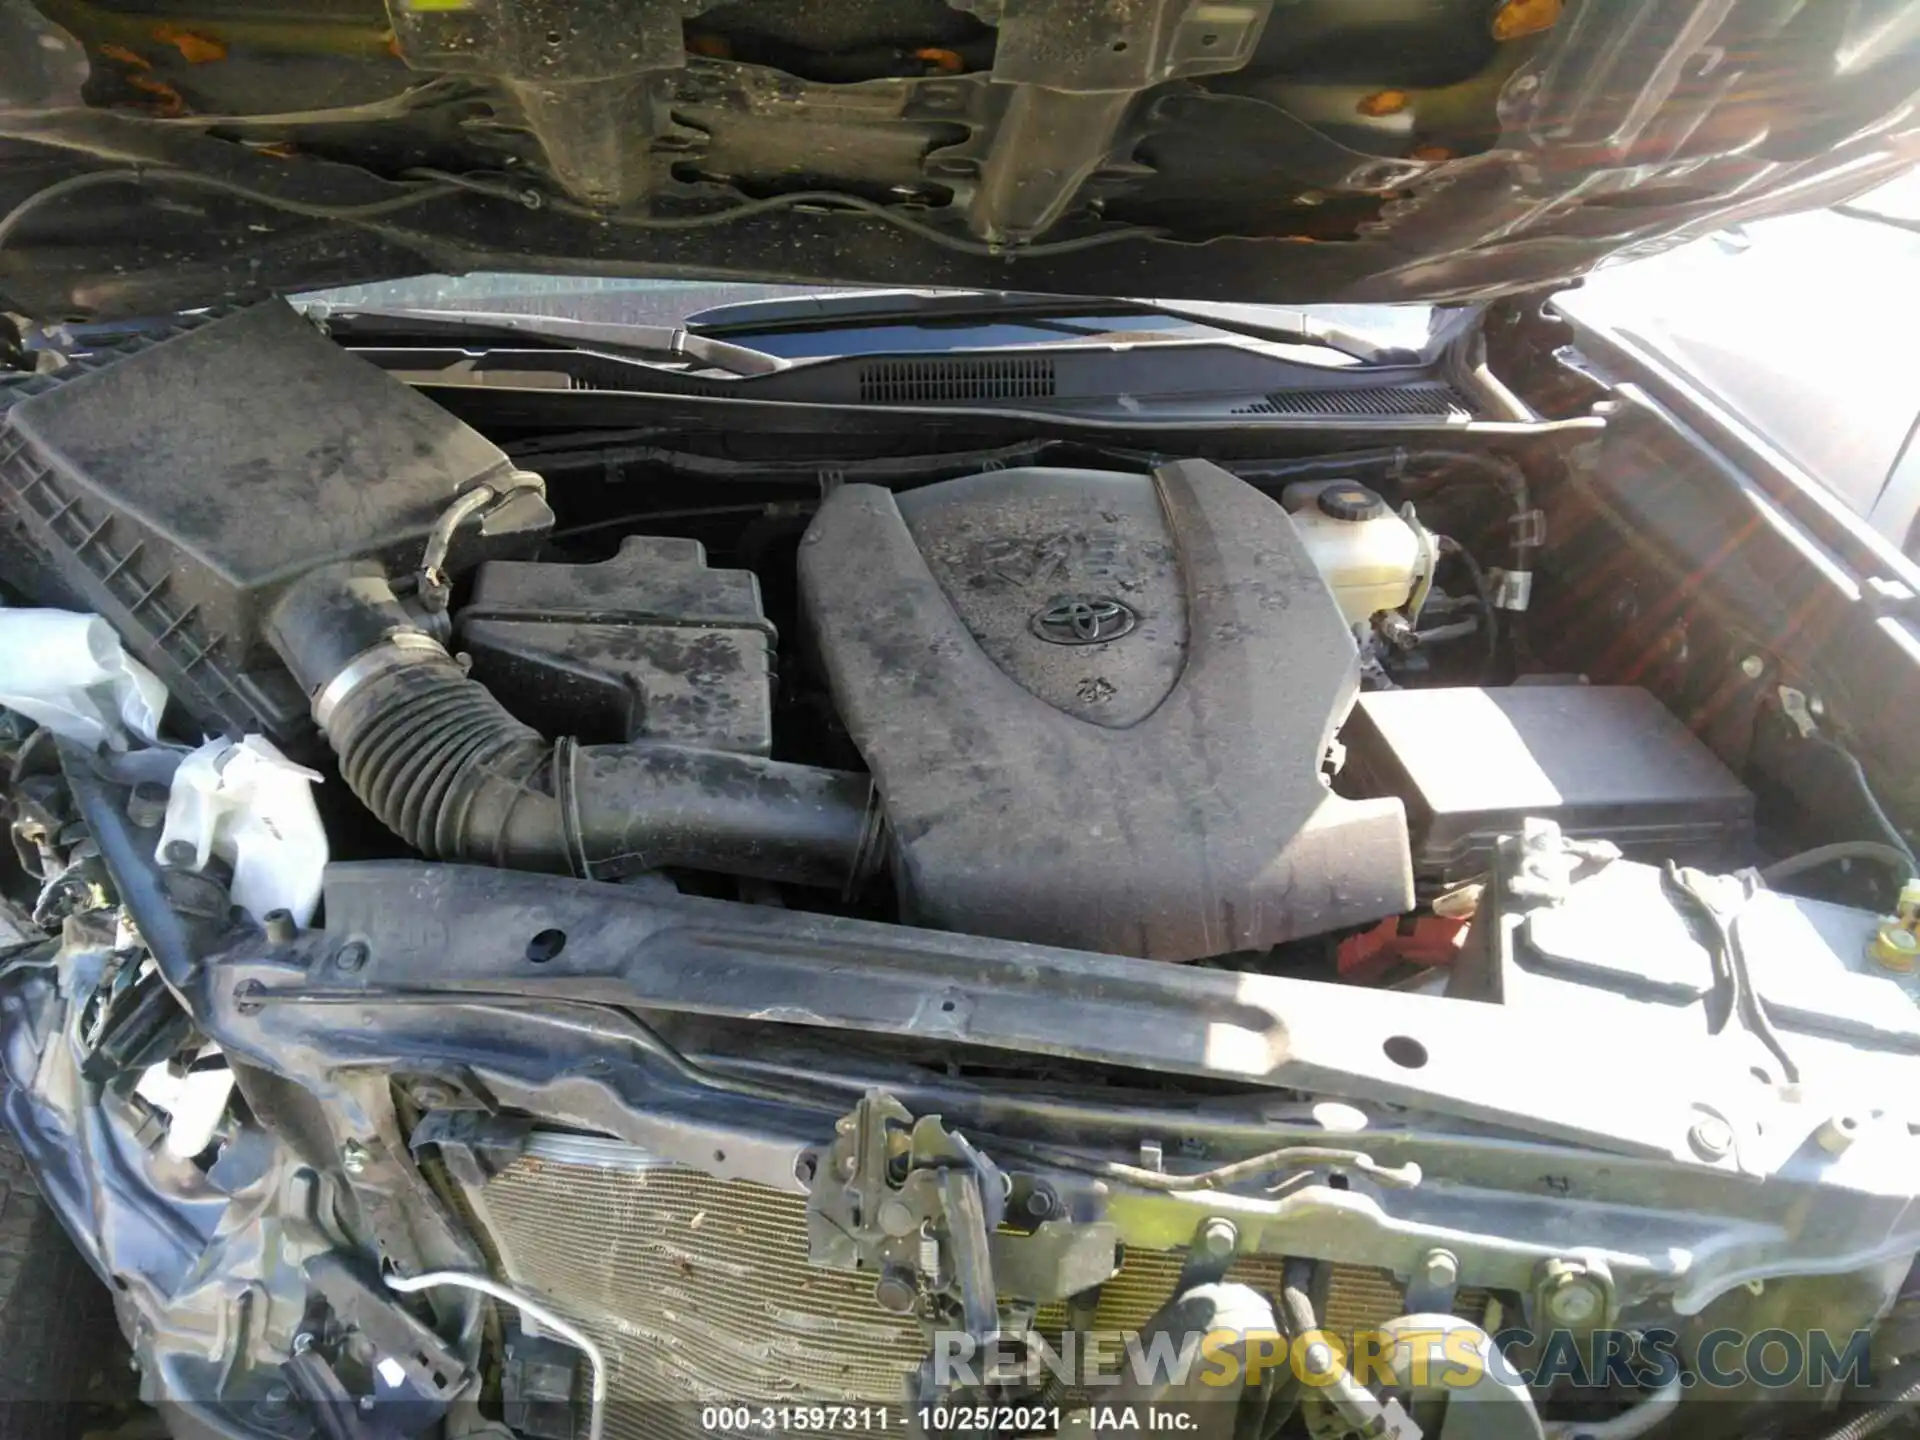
(179, 489)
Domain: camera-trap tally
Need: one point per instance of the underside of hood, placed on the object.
(156, 154)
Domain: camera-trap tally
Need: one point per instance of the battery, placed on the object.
(1602, 761)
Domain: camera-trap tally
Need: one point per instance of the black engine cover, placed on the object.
(1097, 707)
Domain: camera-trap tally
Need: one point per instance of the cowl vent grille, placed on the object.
(1430, 399)
(906, 382)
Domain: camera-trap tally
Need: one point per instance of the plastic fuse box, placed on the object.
(1603, 762)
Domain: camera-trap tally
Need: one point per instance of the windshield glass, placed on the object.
(673, 302)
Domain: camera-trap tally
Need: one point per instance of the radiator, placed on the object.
(698, 1290)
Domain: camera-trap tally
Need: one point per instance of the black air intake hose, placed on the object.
(444, 765)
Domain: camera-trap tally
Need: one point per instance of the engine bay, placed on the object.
(737, 887)
(1110, 709)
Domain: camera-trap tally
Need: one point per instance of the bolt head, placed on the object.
(896, 1291)
(1753, 667)
(1440, 1269)
(303, 1342)
(1219, 1238)
(147, 803)
(353, 956)
(896, 1218)
(1574, 1303)
(1711, 1138)
(353, 1157)
(1838, 1132)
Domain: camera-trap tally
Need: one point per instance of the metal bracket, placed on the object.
(473, 1145)
(1529, 528)
(588, 75)
(912, 1202)
(361, 1304)
(1799, 709)
(1072, 72)
(1060, 1259)
(919, 1206)
(1512, 589)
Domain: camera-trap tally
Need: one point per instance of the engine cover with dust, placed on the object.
(1096, 705)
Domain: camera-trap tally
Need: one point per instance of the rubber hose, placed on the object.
(439, 760)
(1898, 860)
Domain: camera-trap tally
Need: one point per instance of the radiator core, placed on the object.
(698, 1290)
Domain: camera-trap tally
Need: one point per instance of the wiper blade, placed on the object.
(1271, 323)
(638, 342)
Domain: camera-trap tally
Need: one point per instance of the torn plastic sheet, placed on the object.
(68, 672)
(247, 803)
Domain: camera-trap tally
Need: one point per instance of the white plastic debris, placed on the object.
(253, 807)
(66, 671)
(195, 1102)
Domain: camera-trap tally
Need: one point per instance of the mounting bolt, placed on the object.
(1219, 1238)
(147, 804)
(1574, 1304)
(1573, 1293)
(354, 1158)
(353, 956)
(1319, 1358)
(1711, 1138)
(180, 853)
(896, 1291)
(1440, 1269)
(896, 1218)
(303, 1342)
(1837, 1132)
(1753, 667)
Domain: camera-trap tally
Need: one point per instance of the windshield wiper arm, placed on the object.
(629, 341)
(1284, 326)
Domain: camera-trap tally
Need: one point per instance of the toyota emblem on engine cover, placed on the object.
(1082, 620)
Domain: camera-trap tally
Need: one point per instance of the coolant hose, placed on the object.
(440, 761)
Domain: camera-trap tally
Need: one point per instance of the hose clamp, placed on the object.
(403, 647)
(874, 850)
(1512, 589)
(566, 793)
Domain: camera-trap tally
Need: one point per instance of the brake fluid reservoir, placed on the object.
(1370, 556)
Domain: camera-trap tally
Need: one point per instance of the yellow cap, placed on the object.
(1894, 947)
